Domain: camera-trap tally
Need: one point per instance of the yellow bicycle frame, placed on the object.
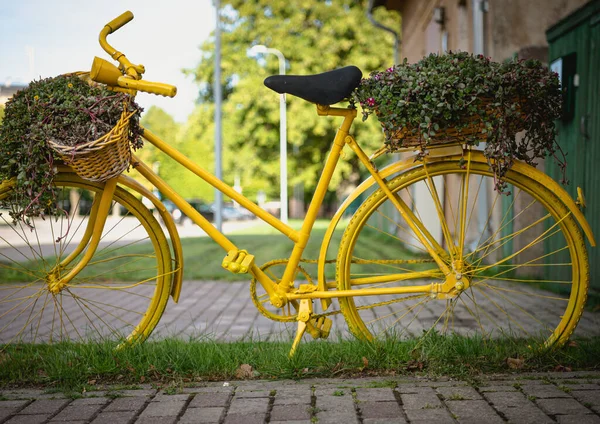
(280, 293)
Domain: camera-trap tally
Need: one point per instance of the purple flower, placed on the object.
(390, 69)
(371, 101)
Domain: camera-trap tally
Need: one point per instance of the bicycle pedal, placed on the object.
(320, 328)
(324, 325)
(238, 261)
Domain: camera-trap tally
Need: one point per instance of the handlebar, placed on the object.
(128, 76)
(119, 21)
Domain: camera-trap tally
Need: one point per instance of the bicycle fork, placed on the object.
(90, 241)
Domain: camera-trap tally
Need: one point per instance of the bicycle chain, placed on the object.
(336, 312)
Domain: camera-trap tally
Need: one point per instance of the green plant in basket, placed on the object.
(68, 110)
(459, 97)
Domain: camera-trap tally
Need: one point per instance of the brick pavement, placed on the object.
(224, 311)
(524, 398)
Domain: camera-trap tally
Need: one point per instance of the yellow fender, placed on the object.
(408, 163)
(171, 228)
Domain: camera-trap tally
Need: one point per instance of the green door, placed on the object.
(591, 128)
(575, 41)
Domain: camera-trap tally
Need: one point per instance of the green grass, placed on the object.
(171, 363)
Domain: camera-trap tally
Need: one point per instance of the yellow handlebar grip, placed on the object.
(119, 21)
(148, 86)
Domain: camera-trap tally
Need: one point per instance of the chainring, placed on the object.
(274, 269)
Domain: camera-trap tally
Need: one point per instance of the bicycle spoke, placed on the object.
(130, 261)
(522, 259)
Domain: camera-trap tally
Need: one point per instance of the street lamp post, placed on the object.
(282, 132)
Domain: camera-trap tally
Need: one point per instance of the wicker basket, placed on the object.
(101, 159)
(408, 137)
(405, 137)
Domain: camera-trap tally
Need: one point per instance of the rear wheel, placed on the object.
(120, 294)
(518, 262)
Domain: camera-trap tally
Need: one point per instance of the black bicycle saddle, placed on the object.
(324, 89)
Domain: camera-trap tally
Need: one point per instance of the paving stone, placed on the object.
(336, 417)
(202, 415)
(162, 396)
(126, 404)
(244, 393)
(379, 409)
(590, 397)
(290, 412)
(291, 422)
(6, 412)
(335, 403)
(300, 399)
(28, 419)
(421, 401)
(562, 406)
(474, 411)
(577, 385)
(429, 416)
(90, 401)
(500, 388)
(211, 389)
(332, 391)
(69, 422)
(137, 393)
(516, 407)
(441, 383)
(578, 419)
(44, 406)
(248, 406)
(156, 420)
(203, 400)
(582, 386)
(412, 389)
(458, 393)
(13, 404)
(23, 394)
(78, 412)
(375, 395)
(245, 418)
(114, 417)
(294, 396)
(163, 409)
(543, 391)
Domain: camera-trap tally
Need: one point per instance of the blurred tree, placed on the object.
(164, 126)
(314, 36)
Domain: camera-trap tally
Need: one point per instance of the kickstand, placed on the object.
(304, 314)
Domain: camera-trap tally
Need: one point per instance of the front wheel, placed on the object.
(120, 294)
(518, 262)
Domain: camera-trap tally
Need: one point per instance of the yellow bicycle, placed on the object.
(431, 248)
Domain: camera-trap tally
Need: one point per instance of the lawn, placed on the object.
(77, 366)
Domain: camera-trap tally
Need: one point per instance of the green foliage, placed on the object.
(186, 138)
(1, 113)
(66, 110)
(459, 90)
(314, 37)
